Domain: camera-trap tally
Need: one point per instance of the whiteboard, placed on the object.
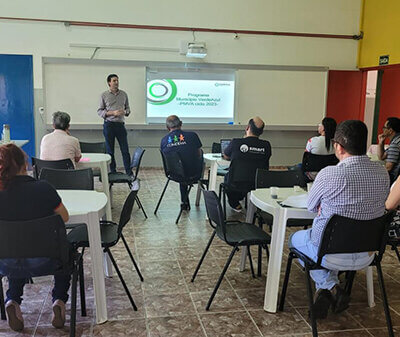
(76, 89)
(280, 97)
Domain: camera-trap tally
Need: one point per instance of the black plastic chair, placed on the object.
(42, 238)
(316, 162)
(98, 147)
(68, 179)
(241, 177)
(343, 236)
(174, 170)
(38, 164)
(123, 178)
(111, 232)
(234, 233)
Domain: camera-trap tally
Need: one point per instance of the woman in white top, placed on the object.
(323, 144)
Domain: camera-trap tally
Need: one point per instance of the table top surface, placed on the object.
(89, 159)
(214, 157)
(79, 202)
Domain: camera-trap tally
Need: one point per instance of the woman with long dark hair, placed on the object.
(25, 198)
(322, 144)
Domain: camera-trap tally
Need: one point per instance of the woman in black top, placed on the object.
(25, 198)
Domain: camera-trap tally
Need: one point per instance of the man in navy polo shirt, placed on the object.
(188, 145)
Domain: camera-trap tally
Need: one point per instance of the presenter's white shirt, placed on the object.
(316, 145)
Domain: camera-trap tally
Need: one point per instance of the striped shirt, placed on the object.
(393, 156)
(355, 188)
(110, 101)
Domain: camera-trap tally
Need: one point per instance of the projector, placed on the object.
(197, 50)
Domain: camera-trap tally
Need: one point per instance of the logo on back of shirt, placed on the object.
(177, 140)
(244, 148)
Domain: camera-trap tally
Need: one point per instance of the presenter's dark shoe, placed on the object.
(185, 206)
(322, 302)
(14, 316)
(341, 300)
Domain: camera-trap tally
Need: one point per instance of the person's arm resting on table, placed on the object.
(316, 193)
(228, 151)
(61, 210)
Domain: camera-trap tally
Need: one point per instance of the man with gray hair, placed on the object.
(188, 145)
(60, 144)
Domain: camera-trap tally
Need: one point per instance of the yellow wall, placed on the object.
(381, 26)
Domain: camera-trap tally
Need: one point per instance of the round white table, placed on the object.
(215, 160)
(101, 161)
(88, 207)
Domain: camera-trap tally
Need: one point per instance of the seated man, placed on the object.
(60, 144)
(188, 145)
(250, 148)
(391, 131)
(355, 188)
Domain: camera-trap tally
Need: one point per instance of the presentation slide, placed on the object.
(194, 101)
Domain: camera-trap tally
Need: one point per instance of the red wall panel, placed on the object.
(346, 95)
(390, 96)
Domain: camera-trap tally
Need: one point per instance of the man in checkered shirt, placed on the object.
(356, 188)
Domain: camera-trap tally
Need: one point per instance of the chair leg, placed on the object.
(141, 206)
(285, 283)
(224, 201)
(198, 194)
(131, 256)
(203, 256)
(259, 258)
(349, 281)
(221, 277)
(251, 262)
(311, 302)
(161, 196)
(73, 302)
(82, 288)
(397, 251)
(107, 250)
(385, 300)
(2, 304)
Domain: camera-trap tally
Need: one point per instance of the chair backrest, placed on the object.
(44, 237)
(173, 166)
(214, 212)
(316, 162)
(266, 179)
(216, 148)
(137, 159)
(38, 164)
(126, 211)
(68, 179)
(345, 235)
(99, 147)
(242, 174)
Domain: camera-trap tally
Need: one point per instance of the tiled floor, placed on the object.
(170, 305)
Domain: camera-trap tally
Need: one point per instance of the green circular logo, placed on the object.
(160, 92)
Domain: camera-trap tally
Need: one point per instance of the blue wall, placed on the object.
(16, 98)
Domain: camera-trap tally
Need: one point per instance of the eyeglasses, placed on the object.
(385, 127)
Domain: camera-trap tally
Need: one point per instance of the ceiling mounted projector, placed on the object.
(196, 49)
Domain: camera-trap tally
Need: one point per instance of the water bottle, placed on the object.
(6, 133)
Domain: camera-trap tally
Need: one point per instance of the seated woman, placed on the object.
(24, 198)
(60, 144)
(322, 144)
(393, 202)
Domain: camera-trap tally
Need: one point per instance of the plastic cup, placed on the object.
(274, 192)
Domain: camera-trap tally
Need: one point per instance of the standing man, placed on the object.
(114, 105)
(391, 131)
(188, 145)
(355, 188)
(249, 149)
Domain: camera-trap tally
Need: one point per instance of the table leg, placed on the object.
(212, 183)
(275, 261)
(96, 254)
(370, 286)
(251, 209)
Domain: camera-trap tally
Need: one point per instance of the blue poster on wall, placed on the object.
(16, 98)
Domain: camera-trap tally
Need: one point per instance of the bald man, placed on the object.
(249, 148)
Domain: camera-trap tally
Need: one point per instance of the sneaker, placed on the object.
(238, 208)
(341, 300)
(322, 302)
(14, 316)
(58, 319)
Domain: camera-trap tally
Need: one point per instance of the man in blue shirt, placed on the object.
(355, 188)
(188, 145)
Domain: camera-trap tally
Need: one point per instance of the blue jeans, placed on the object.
(20, 270)
(327, 278)
(112, 130)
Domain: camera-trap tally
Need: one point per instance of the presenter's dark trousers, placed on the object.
(112, 130)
